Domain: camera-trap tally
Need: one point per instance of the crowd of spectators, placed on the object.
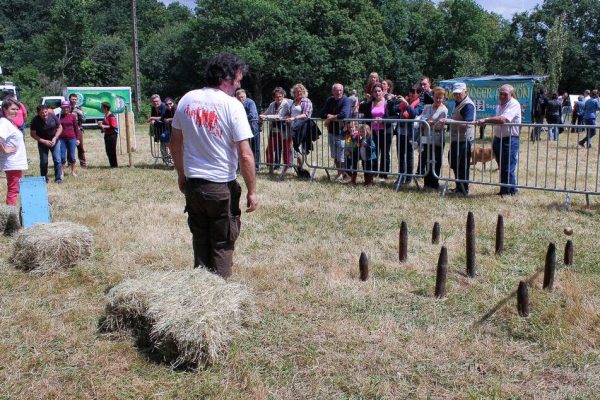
(383, 112)
(360, 127)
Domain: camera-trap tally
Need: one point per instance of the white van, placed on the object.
(8, 89)
(53, 103)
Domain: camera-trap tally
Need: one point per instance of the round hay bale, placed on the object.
(10, 222)
(188, 318)
(43, 248)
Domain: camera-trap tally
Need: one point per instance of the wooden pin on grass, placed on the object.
(441, 274)
(568, 258)
(500, 234)
(403, 243)
(363, 264)
(470, 241)
(435, 233)
(550, 267)
(523, 299)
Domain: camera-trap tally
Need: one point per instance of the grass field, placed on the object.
(321, 333)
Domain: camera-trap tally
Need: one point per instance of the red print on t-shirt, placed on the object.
(207, 119)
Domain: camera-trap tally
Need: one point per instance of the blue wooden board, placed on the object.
(34, 200)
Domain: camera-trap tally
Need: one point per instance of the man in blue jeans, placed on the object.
(46, 129)
(506, 138)
(590, 108)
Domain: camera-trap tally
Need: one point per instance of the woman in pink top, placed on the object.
(378, 108)
(70, 136)
(21, 117)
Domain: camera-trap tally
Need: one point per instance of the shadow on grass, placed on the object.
(164, 352)
(158, 166)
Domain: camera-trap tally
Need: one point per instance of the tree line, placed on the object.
(45, 46)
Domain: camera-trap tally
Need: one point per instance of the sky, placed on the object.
(506, 8)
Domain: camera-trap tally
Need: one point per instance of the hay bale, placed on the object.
(43, 248)
(188, 318)
(9, 219)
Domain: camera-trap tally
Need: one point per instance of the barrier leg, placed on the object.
(587, 200)
(444, 189)
(398, 183)
(568, 201)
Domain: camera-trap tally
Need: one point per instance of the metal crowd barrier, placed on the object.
(395, 145)
(416, 152)
(548, 158)
(160, 135)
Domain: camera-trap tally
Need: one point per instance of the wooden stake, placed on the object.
(568, 253)
(403, 242)
(550, 267)
(523, 299)
(500, 234)
(363, 264)
(128, 128)
(470, 245)
(441, 273)
(435, 233)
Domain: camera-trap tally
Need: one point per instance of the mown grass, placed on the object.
(321, 333)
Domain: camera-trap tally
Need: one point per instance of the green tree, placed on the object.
(556, 42)
(524, 47)
(582, 52)
(20, 23)
(314, 42)
(166, 62)
(64, 44)
(413, 28)
(102, 65)
(468, 29)
(519, 51)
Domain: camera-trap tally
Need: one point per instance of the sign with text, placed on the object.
(484, 94)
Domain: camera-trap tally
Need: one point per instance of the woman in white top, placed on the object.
(13, 158)
(433, 144)
(300, 110)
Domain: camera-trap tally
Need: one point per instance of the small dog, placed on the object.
(482, 155)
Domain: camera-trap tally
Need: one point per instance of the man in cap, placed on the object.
(461, 137)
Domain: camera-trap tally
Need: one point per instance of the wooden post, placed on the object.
(470, 245)
(435, 233)
(403, 242)
(363, 264)
(568, 253)
(441, 273)
(128, 117)
(550, 267)
(500, 234)
(523, 299)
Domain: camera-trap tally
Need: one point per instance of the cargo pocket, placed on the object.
(235, 221)
(235, 224)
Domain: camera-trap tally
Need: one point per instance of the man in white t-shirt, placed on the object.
(209, 131)
(506, 138)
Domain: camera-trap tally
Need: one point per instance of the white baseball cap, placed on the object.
(459, 87)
